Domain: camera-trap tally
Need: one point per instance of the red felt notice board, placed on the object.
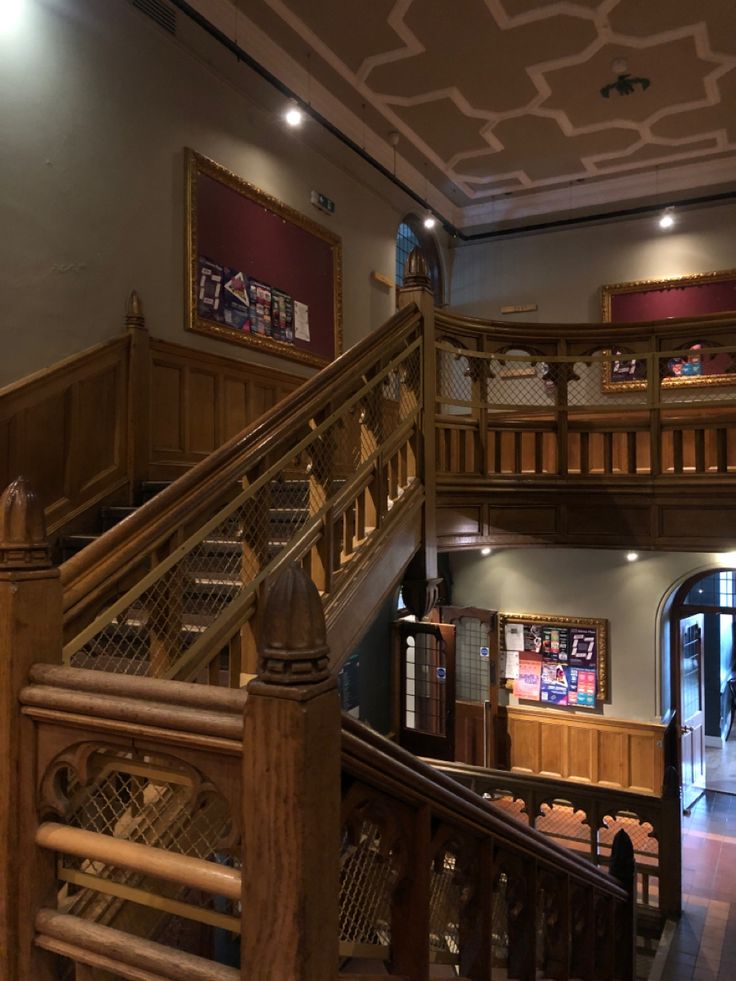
(686, 296)
(259, 273)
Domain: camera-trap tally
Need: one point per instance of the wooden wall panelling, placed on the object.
(200, 400)
(615, 753)
(65, 429)
(202, 412)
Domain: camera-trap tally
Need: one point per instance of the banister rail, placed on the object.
(375, 759)
(204, 483)
(318, 479)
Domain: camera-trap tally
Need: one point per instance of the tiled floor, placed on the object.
(703, 947)
(720, 766)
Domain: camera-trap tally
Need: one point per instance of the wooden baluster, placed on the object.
(410, 908)
(30, 632)
(291, 794)
(605, 937)
(582, 929)
(623, 868)
(476, 913)
(521, 899)
(655, 415)
(555, 899)
(139, 396)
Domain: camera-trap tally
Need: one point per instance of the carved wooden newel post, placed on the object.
(291, 794)
(417, 288)
(30, 632)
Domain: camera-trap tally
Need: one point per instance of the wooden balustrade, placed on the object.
(585, 818)
(142, 598)
(449, 879)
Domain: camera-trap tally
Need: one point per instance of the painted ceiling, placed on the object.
(498, 110)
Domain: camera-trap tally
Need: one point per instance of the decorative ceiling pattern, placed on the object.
(499, 97)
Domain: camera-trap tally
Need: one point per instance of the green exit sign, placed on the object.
(322, 202)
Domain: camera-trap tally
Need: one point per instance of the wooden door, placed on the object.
(692, 695)
(476, 683)
(426, 707)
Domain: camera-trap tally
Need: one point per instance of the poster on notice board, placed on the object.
(558, 661)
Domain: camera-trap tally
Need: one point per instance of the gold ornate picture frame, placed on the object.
(693, 297)
(551, 622)
(257, 272)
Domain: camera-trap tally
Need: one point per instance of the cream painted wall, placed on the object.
(588, 583)
(562, 270)
(97, 104)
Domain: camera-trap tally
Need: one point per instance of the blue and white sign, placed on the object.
(485, 652)
(441, 674)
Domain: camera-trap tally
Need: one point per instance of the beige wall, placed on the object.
(588, 583)
(97, 104)
(563, 270)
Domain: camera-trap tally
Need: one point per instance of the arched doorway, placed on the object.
(701, 641)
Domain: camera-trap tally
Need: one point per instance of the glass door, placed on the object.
(426, 666)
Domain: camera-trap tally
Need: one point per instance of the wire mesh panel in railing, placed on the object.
(369, 873)
(445, 897)
(346, 466)
(149, 801)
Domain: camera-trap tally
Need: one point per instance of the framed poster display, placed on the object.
(692, 297)
(259, 273)
(555, 660)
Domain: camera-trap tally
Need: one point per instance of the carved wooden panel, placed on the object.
(593, 749)
(65, 429)
(459, 521)
(198, 401)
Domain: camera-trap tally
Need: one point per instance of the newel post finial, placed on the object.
(293, 648)
(416, 271)
(134, 312)
(23, 543)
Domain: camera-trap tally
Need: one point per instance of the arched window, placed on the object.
(411, 234)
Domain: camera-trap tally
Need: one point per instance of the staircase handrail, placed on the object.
(398, 772)
(202, 486)
(524, 330)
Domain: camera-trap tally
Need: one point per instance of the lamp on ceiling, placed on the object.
(293, 115)
(667, 218)
(429, 220)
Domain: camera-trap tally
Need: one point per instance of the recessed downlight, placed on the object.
(485, 551)
(632, 556)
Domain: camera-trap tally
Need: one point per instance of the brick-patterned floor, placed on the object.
(703, 946)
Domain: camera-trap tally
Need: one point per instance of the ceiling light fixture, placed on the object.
(485, 551)
(632, 556)
(430, 221)
(11, 12)
(293, 115)
(667, 218)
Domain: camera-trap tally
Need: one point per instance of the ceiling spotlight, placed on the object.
(667, 218)
(430, 221)
(729, 558)
(485, 551)
(632, 556)
(11, 12)
(293, 115)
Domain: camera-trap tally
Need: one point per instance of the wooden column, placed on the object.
(417, 289)
(291, 794)
(30, 632)
(139, 397)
